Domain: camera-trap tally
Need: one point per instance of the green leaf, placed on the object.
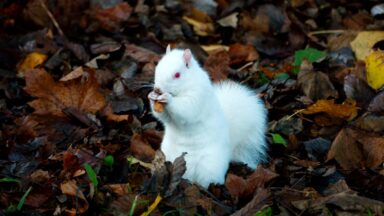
(133, 206)
(9, 180)
(265, 212)
(310, 54)
(262, 79)
(282, 76)
(109, 160)
(278, 139)
(91, 174)
(22, 200)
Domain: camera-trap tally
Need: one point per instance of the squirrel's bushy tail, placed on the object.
(247, 119)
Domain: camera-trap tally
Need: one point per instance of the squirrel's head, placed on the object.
(176, 71)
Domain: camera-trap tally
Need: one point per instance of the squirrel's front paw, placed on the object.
(164, 98)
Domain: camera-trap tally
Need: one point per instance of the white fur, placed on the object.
(214, 124)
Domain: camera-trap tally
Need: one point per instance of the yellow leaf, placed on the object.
(200, 28)
(152, 206)
(214, 47)
(31, 61)
(346, 110)
(375, 69)
(364, 41)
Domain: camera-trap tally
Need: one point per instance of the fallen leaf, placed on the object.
(40, 176)
(243, 188)
(370, 122)
(349, 203)
(306, 163)
(111, 116)
(338, 187)
(199, 15)
(141, 148)
(229, 21)
(111, 19)
(236, 185)
(240, 53)
(309, 54)
(346, 110)
(375, 67)
(118, 189)
(214, 48)
(358, 21)
(317, 148)
(355, 149)
(53, 98)
(259, 201)
(140, 54)
(364, 41)
(31, 61)
(132, 160)
(70, 188)
(93, 62)
(76, 73)
(200, 28)
(377, 103)
(217, 65)
(358, 90)
(315, 84)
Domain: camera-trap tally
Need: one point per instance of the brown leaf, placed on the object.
(217, 65)
(349, 202)
(39, 198)
(346, 110)
(111, 19)
(70, 188)
(355, 149)
(141, 148)
(259, 201)
(154, 137)
(358, 21)
(377, 104)
(315, 85)
(76, 73)
(346, 150)
(260, 177)
(140, 54)
(338, 187)
(118, 189)
(108, 112)
(370, 122)
(239, 187)
(178, 169)
(54, 98)
(235, 185)
(306, 163)
(40, 176)
(357, 89)
(240, 53)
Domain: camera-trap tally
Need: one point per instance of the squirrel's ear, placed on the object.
(187, 57)
(168, 49)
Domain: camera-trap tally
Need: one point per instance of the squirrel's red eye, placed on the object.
(177, 75)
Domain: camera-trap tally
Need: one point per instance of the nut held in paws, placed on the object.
(158, 107)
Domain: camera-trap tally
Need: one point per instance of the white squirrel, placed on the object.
(213, 123)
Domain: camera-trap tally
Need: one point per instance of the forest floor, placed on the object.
(77, 135)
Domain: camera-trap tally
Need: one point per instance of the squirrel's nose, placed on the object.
(157, 90)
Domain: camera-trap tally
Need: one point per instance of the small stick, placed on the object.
(336, 31)
(55, 23)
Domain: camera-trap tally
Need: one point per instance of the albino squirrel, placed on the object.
(213, 123)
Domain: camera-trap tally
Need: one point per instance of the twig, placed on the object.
(338, 31)
(55, 23)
